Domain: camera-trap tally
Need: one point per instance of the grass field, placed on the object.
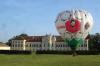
(49, 60)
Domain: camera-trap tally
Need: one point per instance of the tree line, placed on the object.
(94, 41)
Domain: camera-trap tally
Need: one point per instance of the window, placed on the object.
(82, 45)
(30, 45)
(85, 45)
(37, 45)
(59, 45)
(12, 45)
(15, 41)
(56, 45)
(15, 45)
(40, 45)
(21, 41)
(34, 45)
(21, 45)
(18, 45)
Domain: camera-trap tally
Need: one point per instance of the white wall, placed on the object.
(18, 45)
(46, 44)
(4, 48)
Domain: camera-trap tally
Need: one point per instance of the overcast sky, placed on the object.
(37, 17)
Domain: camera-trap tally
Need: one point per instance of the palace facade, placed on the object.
(46, 42)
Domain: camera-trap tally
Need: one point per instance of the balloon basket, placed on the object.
(74, 53)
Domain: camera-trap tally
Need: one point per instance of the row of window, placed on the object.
(65, 45)
(62, 45)
(45, 45)
(17, 45)
(83, 45)
(17, 42)
(33, 45)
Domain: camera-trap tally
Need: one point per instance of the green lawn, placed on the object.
(49, 60)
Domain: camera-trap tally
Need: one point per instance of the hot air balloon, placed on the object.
(74, 26)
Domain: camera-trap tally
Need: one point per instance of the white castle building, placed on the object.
(47, 42)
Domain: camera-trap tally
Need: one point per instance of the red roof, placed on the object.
(39, 39)
(34, 39)
(59, 39)
(30, 38)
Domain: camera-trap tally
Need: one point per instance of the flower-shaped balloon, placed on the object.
(74, 26)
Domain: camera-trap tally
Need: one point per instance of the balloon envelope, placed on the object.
(74, 25)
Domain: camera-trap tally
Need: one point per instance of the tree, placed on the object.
(94, 42)
(91, 42)
(23, 35)
(97, 41)
(9, 41)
